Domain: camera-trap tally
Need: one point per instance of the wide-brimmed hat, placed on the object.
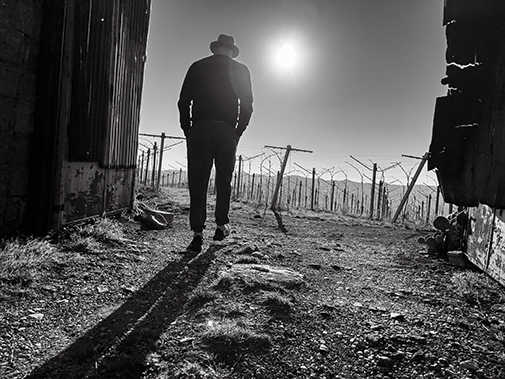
(225, 41)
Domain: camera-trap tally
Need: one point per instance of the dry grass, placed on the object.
(230, 337)
(104, 230)
(191, 370)
(277, 302)
(202, 296)
(473, 287)
(21, 260)
(91, 238)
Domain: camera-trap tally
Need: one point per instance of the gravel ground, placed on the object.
(335, 297)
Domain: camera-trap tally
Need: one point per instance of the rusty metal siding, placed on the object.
(129, 45)
(486, 241)
(110, 45)
(92, 190)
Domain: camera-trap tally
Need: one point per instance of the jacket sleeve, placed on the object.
(184, 103)
(246, 101)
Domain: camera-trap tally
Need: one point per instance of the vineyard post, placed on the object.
(300, 194)
(162, 146)
(141, 168)
(147, 166)
(237, 176)
(332, 195)
(437, 200)
(252, 186)
(153, 174)
(379, 200)
(428, 209)
(372, 192)
(313, 189)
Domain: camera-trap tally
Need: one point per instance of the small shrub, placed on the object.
(21, 260)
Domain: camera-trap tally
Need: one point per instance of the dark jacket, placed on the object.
(216, 88)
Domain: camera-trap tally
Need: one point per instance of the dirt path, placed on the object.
(334, 298)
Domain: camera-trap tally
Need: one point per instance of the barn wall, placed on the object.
(19, 44)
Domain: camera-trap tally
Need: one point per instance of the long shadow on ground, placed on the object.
(117, 346)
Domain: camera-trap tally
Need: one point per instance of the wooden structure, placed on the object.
(469, 123)
(89, 78)
(467, 148)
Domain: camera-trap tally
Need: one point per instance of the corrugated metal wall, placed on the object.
(109, 47)
(109, 56)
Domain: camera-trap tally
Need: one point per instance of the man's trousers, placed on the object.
(210, 142)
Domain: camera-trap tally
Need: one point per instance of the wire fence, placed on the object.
(376, 196)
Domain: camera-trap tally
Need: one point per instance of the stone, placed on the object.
(279, 275)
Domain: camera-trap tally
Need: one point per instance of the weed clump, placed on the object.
(90, 238)
(20, 260)
(473, 287)
(202, 296)
(277, 302)
(230, 337)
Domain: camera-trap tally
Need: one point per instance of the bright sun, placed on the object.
(286, 56)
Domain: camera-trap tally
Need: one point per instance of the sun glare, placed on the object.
(286, 56)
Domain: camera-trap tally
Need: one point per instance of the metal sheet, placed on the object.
(496, 264)
(486, 241)
(91, 190)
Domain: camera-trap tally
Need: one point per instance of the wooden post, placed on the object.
(147, 166)
(313, 189)
(162, 146)
(428, 210)
(153, 176)
(300, 194)
(273, 206)
(437, 201)
(411, 186)
(379, 201)
(238, 175)
(372, 193)
(252, 186)
(279, 179)
(332, 195)
(141, 168)
(344, 200)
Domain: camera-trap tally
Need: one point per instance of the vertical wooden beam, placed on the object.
(372, 193)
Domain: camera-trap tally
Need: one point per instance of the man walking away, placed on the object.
(215, 106)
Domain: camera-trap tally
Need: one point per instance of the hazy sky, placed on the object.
(364, 81)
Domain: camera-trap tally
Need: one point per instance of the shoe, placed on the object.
(196, 244)
(222, 232)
